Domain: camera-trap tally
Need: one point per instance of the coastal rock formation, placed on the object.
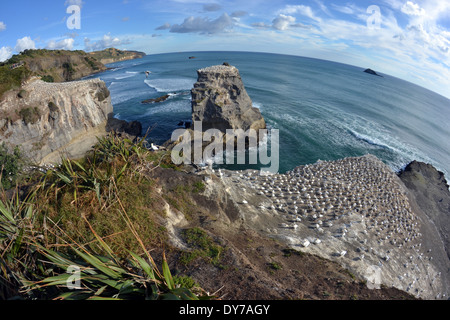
(157, 100)
(112, 55)
(51, 119)
(370, 71)
(133, 128)
(431, 192)
(220, 101)
(354, 211)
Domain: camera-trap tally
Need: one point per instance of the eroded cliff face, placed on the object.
(220, 101)
(430, 189)
(50, 119)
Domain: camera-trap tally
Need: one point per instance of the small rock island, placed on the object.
(370, 71)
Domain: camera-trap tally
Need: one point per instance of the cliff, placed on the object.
(220, 101)
(431, 192)
(50, 119)
(112, 55)
(58, 65)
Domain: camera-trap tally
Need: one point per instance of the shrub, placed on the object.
(12, 79)
(203, 246)
(53, 107)
(30, 115)
(10, 165)
(48, 78)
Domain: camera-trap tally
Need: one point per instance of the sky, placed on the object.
(402, 38)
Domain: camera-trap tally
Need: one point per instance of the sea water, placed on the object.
(323, 110)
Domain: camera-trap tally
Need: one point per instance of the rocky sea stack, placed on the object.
(220, 101)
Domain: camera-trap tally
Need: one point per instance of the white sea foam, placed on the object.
(119, 97)
(369, 139)
(257, 105)
(124, 77)
(170, 85)
(169, 107)
(116, 69)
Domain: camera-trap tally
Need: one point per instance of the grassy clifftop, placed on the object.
(112, 55)
(57, 65)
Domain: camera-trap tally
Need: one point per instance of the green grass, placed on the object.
(275, 266)
(12, 79)
(202, 246)
(99, 214)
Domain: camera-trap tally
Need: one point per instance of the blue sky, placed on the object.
(407, 39)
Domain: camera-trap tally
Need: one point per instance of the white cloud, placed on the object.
(24, 44)
(106, 42)
(204, 25)
(413, 9)
(5, 53)
(2, 26)
(239, 14)
(210, 7)
(282, 22)
(261, 25)
(165, 26)
(79, 3)
(65, 44)
(299, 9)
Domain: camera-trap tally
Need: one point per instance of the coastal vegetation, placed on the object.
(12, 79)
(111, 55)
(87, 215)
(57, 65)
(11, 165)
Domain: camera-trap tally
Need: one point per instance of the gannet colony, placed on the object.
(355, 211)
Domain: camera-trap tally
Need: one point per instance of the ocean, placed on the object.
(322, 109)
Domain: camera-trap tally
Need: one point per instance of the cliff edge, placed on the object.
(431, 191)
(220, 101)
(50, 119)
(112, 55)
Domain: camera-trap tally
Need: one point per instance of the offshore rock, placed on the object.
(220, 101)
(133, 128)
(370, 71)
(54, 119)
